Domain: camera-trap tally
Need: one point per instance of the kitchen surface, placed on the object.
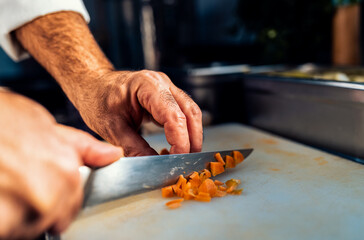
(284, 78)
(291, 191)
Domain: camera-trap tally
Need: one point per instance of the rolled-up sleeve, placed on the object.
(15, 13)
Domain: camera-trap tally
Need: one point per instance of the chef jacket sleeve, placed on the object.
(15, 13)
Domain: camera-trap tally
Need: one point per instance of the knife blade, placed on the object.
(132, 175)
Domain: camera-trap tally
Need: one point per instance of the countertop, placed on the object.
(291, 191)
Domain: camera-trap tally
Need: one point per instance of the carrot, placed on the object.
(237, 192)
(203, 197)
(167, 192)
(199, 186)
(208, 186)
(238, 157)
(219, 158)
(218, 183)
(216, 168)
(220, 193)
(174, 203)
(230, 162)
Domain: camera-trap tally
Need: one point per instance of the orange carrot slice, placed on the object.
(216, 168)
(237, 191)
(229, 162)
(219, 158)
(220, 193)
(208, 186)
(174, 203)
(203, 197)
(218, 183)
(238, 157)
(167, 192)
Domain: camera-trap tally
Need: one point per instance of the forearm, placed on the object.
(63, 44)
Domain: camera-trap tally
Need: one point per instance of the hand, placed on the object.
(118, 102)
(112, 103)
(40, 187)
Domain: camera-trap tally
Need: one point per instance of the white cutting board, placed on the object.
(291, 191)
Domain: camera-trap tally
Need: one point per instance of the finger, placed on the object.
(70, 208)
(94, 153)
(13, 212)
(194, 118)
(165, 110)
(133, 144)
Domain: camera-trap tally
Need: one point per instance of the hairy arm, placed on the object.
(112, 103)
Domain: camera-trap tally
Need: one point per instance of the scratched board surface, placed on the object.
(291, 191)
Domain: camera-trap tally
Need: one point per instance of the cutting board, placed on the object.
(291, 191)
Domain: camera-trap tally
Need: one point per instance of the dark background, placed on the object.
(188, 34)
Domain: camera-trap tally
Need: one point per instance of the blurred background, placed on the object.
(203, 45)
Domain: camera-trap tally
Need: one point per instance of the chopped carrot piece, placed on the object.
(218, 183)
(164, 151)
(174, 203)
(220, 193)
(189, 195)
(238, 157)
(181, 182)
(237, 192)
(194, 175)
(167, 192)
(232, 182)
(230, 162)
(203, 197)
(198, 185)
(216, 168)
(208, 186)
(207, 173)
(219, 158)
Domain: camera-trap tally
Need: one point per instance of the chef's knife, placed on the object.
(131, 175)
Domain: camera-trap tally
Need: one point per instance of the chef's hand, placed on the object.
(120, 101)
(112, 103)
(40, 187)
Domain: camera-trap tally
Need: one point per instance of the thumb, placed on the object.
(93, 152)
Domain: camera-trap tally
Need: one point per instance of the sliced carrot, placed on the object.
(164, 151)
(238, 157)
(218, 183)
(232, 182)
(237, 191)
(207, 173)
(219, 158)
(222, 188)
(216, 168)
(194, 175)
(167, 192)
(174, 203)
(203, 197)
(208, 186)
(220, 193)
(181, 182)
(230, 162)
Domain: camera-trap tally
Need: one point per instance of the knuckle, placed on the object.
(195, 111)
(178, 118)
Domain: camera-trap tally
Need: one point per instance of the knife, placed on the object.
(132, 175)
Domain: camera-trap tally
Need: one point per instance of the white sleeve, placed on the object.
(15, 13)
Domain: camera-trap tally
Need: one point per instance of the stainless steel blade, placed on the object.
(131, 175)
